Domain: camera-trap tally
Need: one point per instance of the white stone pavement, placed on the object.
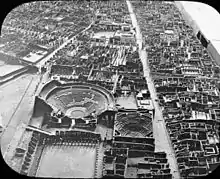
(162, 140)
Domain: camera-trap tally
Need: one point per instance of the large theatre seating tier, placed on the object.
(77, 100)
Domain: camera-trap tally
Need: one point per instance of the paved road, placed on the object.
(42, 62)
(162, 140)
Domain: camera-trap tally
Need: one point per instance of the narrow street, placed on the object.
(162, 140)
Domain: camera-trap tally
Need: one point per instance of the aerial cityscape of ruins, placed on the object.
(97, 89)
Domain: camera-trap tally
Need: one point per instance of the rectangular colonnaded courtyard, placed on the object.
(63, 161)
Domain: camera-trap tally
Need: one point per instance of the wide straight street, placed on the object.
(162, 140)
